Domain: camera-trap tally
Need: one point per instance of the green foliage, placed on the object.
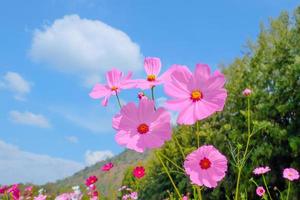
(271, 68)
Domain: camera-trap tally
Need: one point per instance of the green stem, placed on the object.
(249, 131)
(180, 147)
(243, 161)
(288, 192)
(265, 182)
(118, 99)
(254, 182)
(172, 162)
(199, 193)
(237, 184)
(198, 135)
(152, 93)
(170, 177)
(195, 192)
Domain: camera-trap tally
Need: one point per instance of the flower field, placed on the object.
(235, 133)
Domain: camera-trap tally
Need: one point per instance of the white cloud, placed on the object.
(72, 139)
(29, 118)
(84, 47)
(92, 157)
(15, 83)
(21, 166)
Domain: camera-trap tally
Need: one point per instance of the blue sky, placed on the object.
(52, 52)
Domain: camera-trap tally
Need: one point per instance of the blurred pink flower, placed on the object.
(260, 191)
(41, 197)
(125, 197)
(92, 187)
(185, 198)
(3, 189)
(206, 166)
(91, 180)
(134, 195)
(142, 127)
(261, 170)
(247, 92)
(95, 193)
(290, 174)
(152, 67)
(196, 96)
(115, 83)
(14, 191)
(107, 167)
(138, 172)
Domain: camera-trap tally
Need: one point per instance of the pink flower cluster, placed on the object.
(290, 174)
(92, 190)
(195, 95)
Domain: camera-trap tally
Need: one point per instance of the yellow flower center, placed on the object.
(196, 95)
(151, 77)
(114, 88)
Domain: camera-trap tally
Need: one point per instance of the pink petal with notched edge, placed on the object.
(152, 65)
(166, 76)
(99, 91)
(113, 78)
(202, 70)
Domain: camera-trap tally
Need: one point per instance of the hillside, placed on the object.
(108, 182)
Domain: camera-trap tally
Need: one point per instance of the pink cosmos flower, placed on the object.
(138, 172)
(40, 197)
(14, 191)
(3, 189)
(261, 170)
(91, 180)
(260, 191)
(134, 195)
(206, 166)
(142, 127)
(196, 96)
(247, 92)
(115, 83)
(107, 167)
(185, 198)
(291, 174)
(152, 67)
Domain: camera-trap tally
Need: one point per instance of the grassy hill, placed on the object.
(108, 182)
